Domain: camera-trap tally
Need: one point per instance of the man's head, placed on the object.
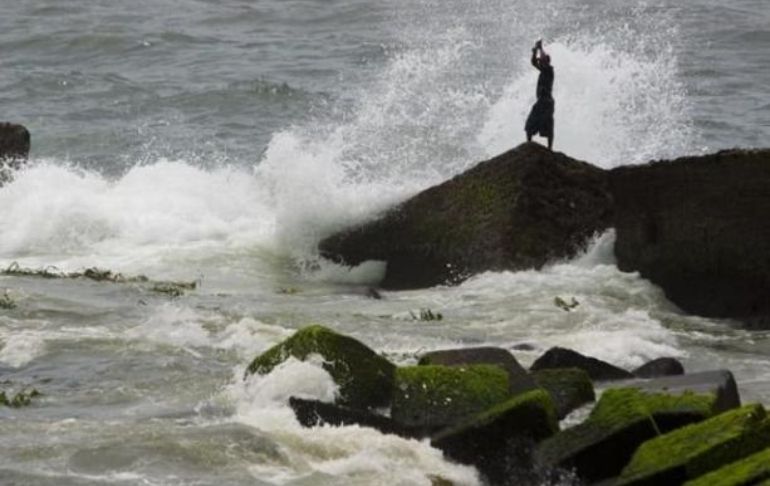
(546, 59)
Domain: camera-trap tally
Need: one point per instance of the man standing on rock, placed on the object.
(540, 119)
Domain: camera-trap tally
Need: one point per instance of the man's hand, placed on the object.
(539, 44)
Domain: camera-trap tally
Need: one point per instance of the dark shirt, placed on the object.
(545, 81)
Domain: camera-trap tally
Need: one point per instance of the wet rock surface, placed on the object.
(597, 369)
(519, 210)
(696, 226)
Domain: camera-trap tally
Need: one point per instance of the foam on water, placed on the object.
(351, 454)
(64, 216)
(22, 347)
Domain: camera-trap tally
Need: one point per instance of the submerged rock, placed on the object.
(311, 413)
(500, 439)
(364, 377)
(519, 380)
(432, 397)
(566, 358)
(569, 388)
(697, 227)
(623, 419)
(515, 211)
(659, 367)
(694, 450)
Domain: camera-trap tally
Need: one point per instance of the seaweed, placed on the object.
(6, 301)
(21, 399)
(172, 289)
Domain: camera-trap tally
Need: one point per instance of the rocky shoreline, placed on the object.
(480, 407)
(695, 226)
(653, 425)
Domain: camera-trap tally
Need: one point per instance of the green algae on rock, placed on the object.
(434, 396)
(623, 419)
(746, 472)
(520, 381)
(364, 377)
(694, 450)
(486, 439)
(569, 388)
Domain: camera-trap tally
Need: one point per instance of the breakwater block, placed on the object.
(697, 227)
(623, 419)
(566, 358)
(365, 378)
(519, 210)
(697, 449)
(519, 380)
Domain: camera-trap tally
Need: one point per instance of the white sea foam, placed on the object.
(21, 348)
(613, 107)
(71, 218)
(350, 454)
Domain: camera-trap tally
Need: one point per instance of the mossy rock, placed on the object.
(485, 440)
(364, 377)
(569, 388)
(435, 396)
(520, 380)
(623, 419)
(695, 450)
(746, 472)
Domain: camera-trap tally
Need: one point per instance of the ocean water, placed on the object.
(219, 141)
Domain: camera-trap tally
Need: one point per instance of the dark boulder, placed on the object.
(518, 210)
(14, 148)
(499, 441)
(718, 383)
(566, 358)
(659, 367)
(311, 413)
(519, 380)
(14, 141)
(697, 227)
(569, 388)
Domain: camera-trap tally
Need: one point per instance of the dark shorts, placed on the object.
(540, 119)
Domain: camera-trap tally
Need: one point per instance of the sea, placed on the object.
(218, 141)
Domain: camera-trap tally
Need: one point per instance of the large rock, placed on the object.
(697, 226)
(364, 377)
(516, 211)
(491, 440)
(597, 369)
(519, 380)
(694, 450)
(432, 397)
(623, 419)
